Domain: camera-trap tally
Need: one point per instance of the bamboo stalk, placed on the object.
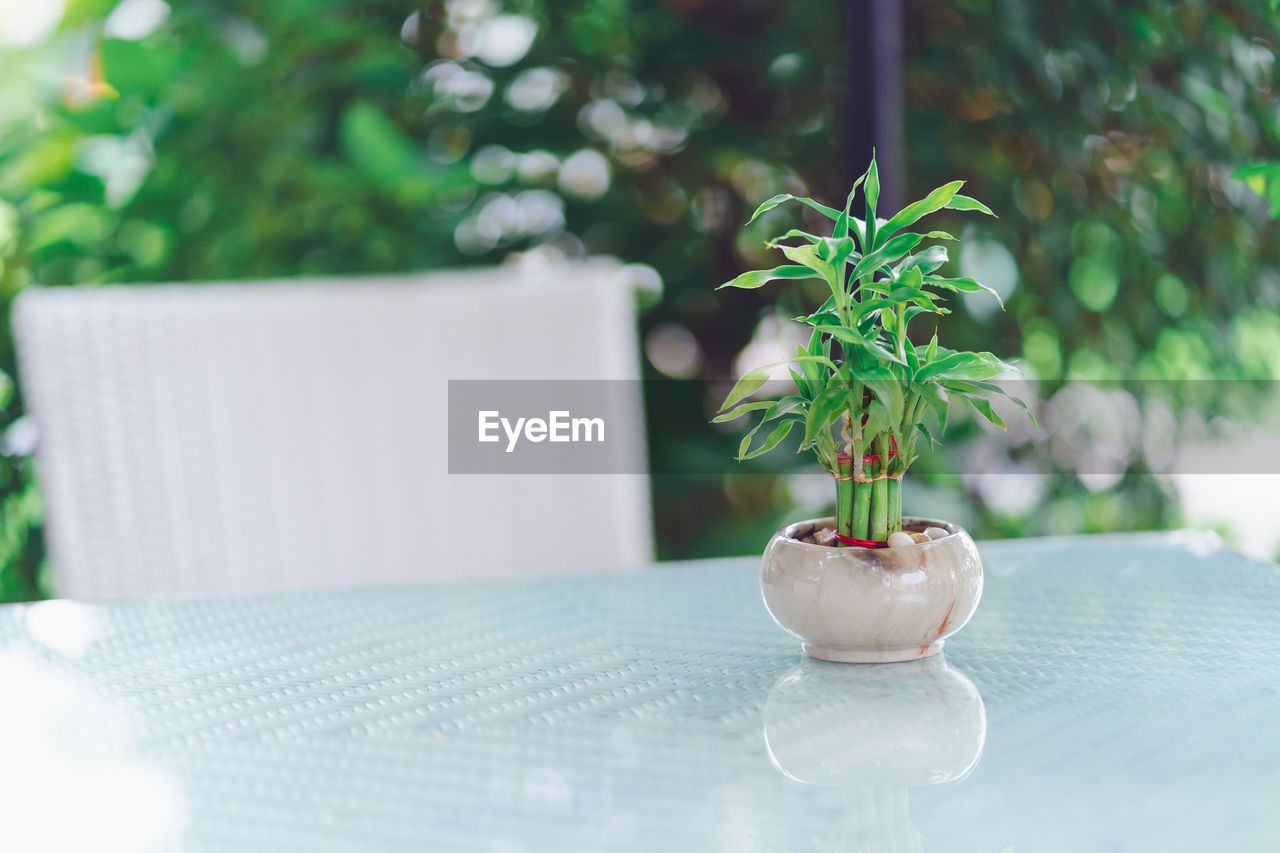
(895, 504)
(861, 510)
(844, 495)
(879, 527)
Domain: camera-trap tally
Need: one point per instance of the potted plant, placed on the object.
(869, 584)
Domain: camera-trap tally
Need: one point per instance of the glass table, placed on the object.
(1112, 693)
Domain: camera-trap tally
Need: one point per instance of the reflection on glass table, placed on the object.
(875, 732)
(914, 723)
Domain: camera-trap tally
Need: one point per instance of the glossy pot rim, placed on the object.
(788, 533)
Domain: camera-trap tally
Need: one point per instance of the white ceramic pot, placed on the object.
(861, 605)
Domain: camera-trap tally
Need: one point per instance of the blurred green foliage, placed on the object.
(250, 139)
(1109, 137)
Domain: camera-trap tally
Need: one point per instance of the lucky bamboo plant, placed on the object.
(862, 387)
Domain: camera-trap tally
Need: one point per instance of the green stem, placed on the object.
(895, 504)
(861, 511)
(844, 494)
(879, 528)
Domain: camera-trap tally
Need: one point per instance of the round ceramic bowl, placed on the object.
(863, 605)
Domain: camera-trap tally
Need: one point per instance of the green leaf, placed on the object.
(738, 411)
(828, 307)
(821, 318)
(937, 400)
(852, 336)
(914, 311)
(891, 251)
(785, 406)
(816, 346)
(889, 320)
(963, 365)
(825, 410)
(751, 382)
(965, 284)
(987, 388)
(754, 379)
(872, 193)
(911, 279)
(913, 359)
(858, 310)
(746, 440)
(758, 278)
(842, 224)
(774, 439)
(908, 290)
(963, 202)
(968, 386)
(836, 251)
(932, 352)
(877, 420)
(983, 407)
(830, 213)
(933, 442)
(808, 256)
(906, 293)
(812, 378)
(772, 242)
(801, 385)
(888, 390)
(934, 201)
(819, 344)
(928, 261)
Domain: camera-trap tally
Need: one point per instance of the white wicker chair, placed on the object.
(251, 436)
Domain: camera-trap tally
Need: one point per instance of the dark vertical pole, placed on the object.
(874, 104)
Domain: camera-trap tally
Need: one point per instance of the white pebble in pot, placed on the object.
(935, 532)
(900, 539)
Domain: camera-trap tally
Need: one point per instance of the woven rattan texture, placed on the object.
(1131, 688)
(243, 437)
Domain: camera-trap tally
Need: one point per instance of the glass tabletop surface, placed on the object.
(1111, 693)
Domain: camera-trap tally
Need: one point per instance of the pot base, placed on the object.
(872, 655)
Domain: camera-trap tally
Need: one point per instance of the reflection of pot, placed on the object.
(914, 723)
(861, 605)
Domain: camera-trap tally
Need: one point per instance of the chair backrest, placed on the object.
(249, 436)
